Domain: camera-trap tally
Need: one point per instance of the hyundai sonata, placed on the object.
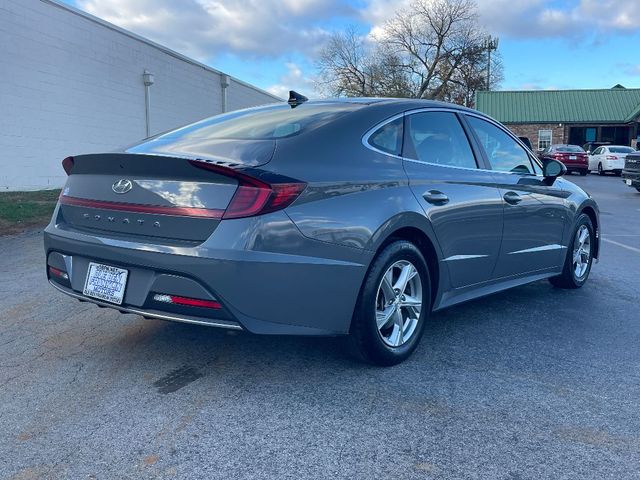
(353, 217)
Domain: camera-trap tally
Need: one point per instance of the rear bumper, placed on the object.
(576, 167)
(149, 313)
(260, 291)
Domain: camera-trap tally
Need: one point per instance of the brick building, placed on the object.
(72, 83)
(567, 116)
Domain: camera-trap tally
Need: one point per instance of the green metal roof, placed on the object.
(616, 105)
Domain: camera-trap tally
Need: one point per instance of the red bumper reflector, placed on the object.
(58, 273)
(139, 208)
(189, 302)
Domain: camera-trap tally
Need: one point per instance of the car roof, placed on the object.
(401, 103)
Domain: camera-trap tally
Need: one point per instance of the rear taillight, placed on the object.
(255, 196)
(611, 157)
(558, 156)
(186, 301)
(58, 273)
(67, 164)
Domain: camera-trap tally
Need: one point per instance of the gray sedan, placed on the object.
(353, 217)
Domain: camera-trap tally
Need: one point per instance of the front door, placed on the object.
(463, 205)
(535, 213)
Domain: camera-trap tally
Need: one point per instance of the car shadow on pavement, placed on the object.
(178, 354)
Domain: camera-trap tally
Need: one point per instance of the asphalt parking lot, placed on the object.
(532, 383)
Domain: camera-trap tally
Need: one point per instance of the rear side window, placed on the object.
(262, 123)
(438, 137)
(388, 137)
(503, 152)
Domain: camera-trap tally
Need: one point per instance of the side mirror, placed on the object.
(553, 169)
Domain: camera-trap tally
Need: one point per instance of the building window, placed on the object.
(545, 138)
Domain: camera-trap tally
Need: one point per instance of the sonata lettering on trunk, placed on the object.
(125, 220)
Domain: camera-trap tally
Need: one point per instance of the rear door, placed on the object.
(535, 213)
(463, 205)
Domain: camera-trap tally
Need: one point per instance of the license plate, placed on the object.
(573, 157)
(628, 182)
(105, 282)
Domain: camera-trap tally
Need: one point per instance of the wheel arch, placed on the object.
(415, 228)
(591, 212)
(421, 240)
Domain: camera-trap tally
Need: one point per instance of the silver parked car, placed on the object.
(335, 217)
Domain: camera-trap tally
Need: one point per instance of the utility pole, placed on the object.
(491, 44)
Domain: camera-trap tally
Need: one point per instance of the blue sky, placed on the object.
(273, 43)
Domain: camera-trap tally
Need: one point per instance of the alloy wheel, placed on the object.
(399, 303)
(581, 252)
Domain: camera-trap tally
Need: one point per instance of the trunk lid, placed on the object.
(572, 157)
(144, 196)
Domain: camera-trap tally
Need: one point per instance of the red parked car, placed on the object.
(573, 157)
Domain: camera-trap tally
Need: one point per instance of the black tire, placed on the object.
(600, 170)
(583, 173)
(365, 339)
(568, 278)
(638, 189)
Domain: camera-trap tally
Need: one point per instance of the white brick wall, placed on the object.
(72, 84)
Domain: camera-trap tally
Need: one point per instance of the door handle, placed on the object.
(435, 197)
(512, 197)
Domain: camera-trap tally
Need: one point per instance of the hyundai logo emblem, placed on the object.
(122, 186)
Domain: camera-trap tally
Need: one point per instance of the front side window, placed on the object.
(503, 152)
(388, 137)
(598, 151)
(438, 137)
(545, 138)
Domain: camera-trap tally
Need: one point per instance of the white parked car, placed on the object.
(609, 158)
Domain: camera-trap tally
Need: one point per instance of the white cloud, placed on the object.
(201, 28)
(535, 86)
(276, 28)
(630, 69)
(537, 18)
(533, 18)
(294, 79)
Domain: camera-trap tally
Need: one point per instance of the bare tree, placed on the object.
(435, 50)
(472, 77)
(435, 38)
(351, 65)
(343, 64)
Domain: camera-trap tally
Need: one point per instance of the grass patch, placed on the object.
(22, 210)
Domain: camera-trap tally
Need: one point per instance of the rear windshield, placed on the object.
(621, 149)
(262, 123)
(570, 148)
